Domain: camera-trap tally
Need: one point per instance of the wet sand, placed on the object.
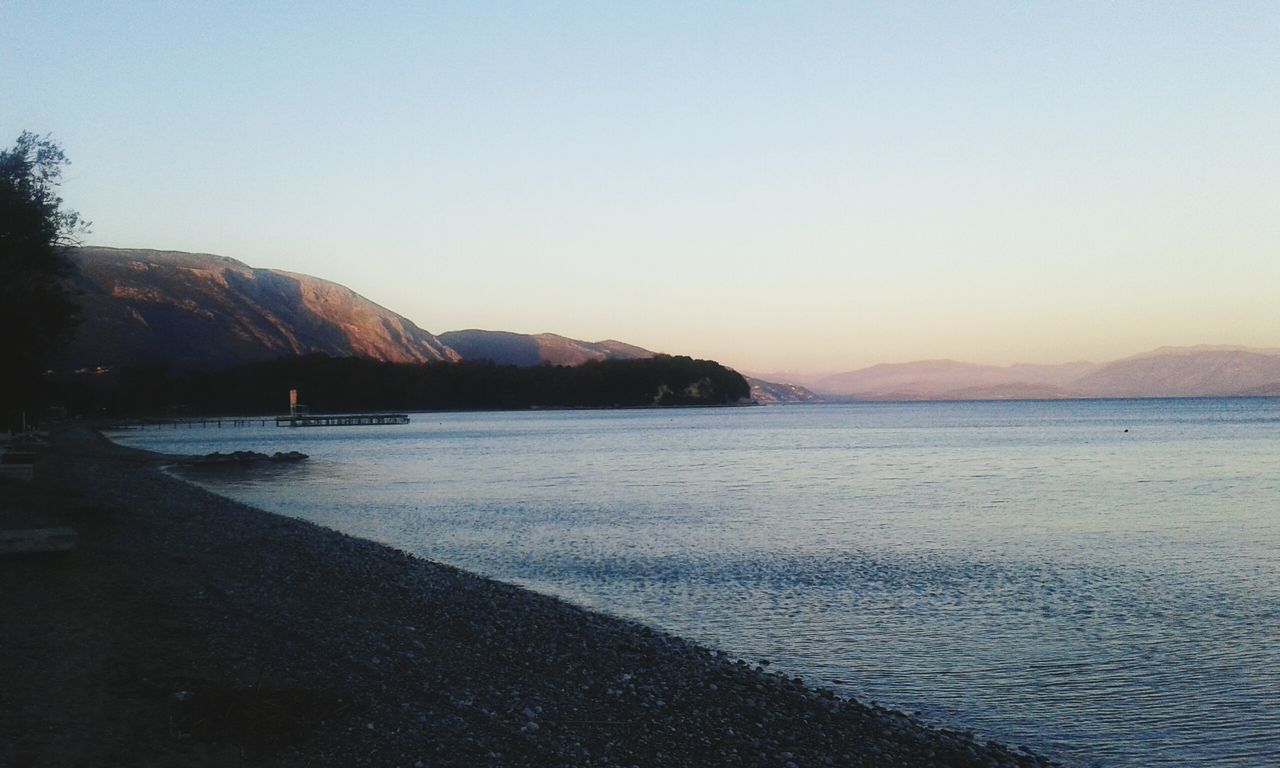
(188, 629)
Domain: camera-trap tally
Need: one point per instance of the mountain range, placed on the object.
(201, 311)
(205, 312)
(195, 310)
(1198, 371)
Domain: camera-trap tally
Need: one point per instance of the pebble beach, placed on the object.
(188, 629)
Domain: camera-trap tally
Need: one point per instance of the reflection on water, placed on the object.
(1028, 570)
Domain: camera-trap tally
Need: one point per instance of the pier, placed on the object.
(300, 416)
(191, 423)
(341, 420)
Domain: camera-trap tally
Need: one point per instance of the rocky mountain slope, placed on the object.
(204, 311)
(769, 393)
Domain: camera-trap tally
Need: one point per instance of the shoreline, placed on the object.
(191, 628)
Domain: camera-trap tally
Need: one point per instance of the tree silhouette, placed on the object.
(37, 312)
(348, 384)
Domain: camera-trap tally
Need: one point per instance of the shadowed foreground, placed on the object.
(188, 629)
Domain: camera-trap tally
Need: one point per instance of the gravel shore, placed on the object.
(188, 629)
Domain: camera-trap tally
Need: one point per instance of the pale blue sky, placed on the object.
(806, 186)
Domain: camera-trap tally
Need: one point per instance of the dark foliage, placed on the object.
(336, 385)
(37, 313)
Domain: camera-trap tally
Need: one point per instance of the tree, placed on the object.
(37, 311)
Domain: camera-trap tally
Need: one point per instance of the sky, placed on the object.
(785, 186)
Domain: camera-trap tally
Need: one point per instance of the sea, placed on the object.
(1097, 580)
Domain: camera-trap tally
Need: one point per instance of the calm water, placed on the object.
(1030, 571)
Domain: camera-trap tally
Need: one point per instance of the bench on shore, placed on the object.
(37, 540)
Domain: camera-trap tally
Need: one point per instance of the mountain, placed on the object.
(1185, 372)
(507, 348)
(1270, 390)
(917, 380)
(198, 311)
(1202, 371)
(204, 311)
(952, 379)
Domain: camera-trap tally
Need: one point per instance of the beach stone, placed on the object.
(313, 608)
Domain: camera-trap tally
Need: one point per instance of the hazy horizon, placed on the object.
(815, 374)
(780, 187)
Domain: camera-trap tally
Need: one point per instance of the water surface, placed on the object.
(1097, 579)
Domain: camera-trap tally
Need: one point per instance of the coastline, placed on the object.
(192, 629)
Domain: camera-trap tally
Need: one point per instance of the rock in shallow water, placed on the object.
(217, 458)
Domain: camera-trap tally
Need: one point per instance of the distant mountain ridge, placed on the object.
(1200, 371)
(936, 379)
(1185, 372)
(1198, 348)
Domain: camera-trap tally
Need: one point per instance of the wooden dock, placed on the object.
(191, 423)
(341, 420)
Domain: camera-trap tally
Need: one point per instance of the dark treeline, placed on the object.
(37, 309)
(334, 385)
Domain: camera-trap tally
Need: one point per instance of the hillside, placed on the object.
(769, 393)
(506, 348)
(203, 311)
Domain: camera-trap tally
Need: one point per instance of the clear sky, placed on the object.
(801, 186)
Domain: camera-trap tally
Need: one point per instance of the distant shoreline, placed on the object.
(106, 425)
(128, 422)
